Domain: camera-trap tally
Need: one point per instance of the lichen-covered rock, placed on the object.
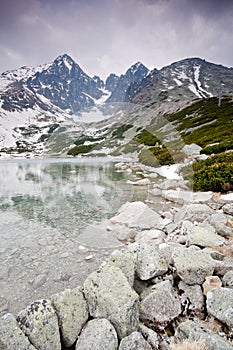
(150, 261)
(194, 332)
(150, 336)
(134, 341)
(160, 306)
(193, 212)
(11, 336)
(40, 323)
(126, 261)
(228, 279)
(228, 208)
(97, 334)
(223, 266)
(109, 295)
(192, 264)
(203, 236)
(191, 297)
(72, 311)
(219, 304)
(219, 221)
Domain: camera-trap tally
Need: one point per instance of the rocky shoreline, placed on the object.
(172, 280)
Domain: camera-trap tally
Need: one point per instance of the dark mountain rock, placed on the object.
(134, 75)
(111, 82)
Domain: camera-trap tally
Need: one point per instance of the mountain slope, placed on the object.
(187, 79)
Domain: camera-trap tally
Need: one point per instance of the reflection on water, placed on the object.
(44, 206)
(62, 194)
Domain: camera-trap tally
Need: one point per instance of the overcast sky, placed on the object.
(105, 36)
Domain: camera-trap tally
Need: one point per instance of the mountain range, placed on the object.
(34, 99)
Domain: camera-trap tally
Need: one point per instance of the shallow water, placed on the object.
(45, 205)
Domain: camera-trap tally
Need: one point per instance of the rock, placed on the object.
(193, 212)
(215, 254)
(11, 336)
(123, 232)
(39, 322)
(150, 336)
(160, 306)
(134, 341)
(168, 184)
(126, 261)
(219, 222)
(228, 279)
(194, 332)
(109, 295)
(192, 150)
(39, 280)
(142, 182)
(219, 304)
(210, 283)
(97, 236)
(157, 236)
(181, 196)
(192, 265)
(222, 267)
(228, 208)
(97, 334)
(191, 297)
(150, 262)
(134, 214)
(72, 311)
(203, 236)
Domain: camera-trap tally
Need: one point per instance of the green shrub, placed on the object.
(156, 156)
(80, 150)
(219, 148)
(147, 138)
(119, 132)
(212, 174)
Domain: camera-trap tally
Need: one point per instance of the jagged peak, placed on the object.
(65, 60)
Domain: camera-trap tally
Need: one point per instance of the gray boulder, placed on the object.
(193, 212)
(219, 222)
(228, 279)
(228, 208)
(150, 262)
(191, 297)
(72, 312)
(135, 214)
(134, 341)
(219, 304)
(39, 322)
(223, 266)
(11, 336)
(126, 261)
(150, 336)
(192, 150)
(160, 306)
(203, 236)
(156, 236)
(109, 295)
(192, 264)
(97, 334)
(194, 332)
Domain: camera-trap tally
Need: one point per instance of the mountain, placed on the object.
(63, 83)
(119, 85)
(186, 79)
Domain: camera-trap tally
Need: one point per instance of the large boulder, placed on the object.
(72, 311)
(97, 334)
(194, 332)
(150, 262)
(192, 264)
(39, 322)
(193, 212)
(109, 295)
(160, 305)
(219, 221)
(219, 304)
(134, 341)
(136, 214)
(11, 336)
(192, 150)
(203, 236)
(126, 261)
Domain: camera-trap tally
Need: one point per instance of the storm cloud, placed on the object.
(106, 36)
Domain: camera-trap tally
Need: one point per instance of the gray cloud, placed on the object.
(105, 36)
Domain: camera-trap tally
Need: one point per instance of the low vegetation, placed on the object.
(190, 345)
(212, 174)
(74, 151)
